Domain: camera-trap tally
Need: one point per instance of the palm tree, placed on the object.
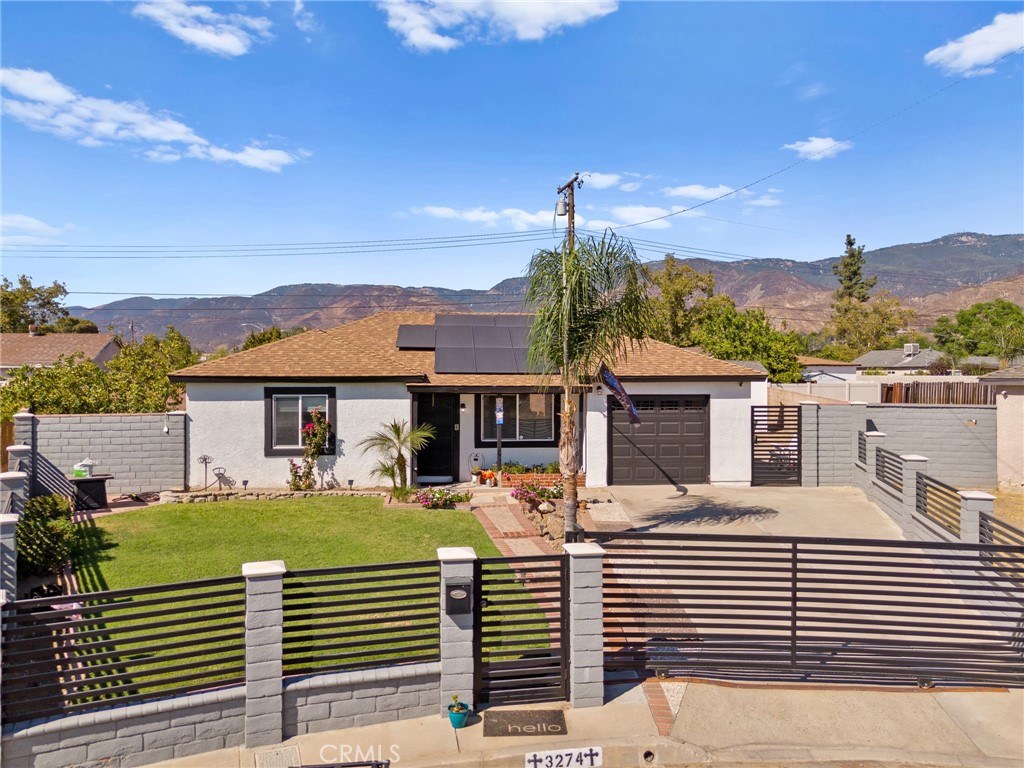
(592, 305)
(393, 443)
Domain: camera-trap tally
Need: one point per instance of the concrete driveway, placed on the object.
(836, 512)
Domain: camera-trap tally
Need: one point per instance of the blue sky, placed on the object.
(174, 124)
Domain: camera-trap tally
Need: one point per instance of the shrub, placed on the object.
(46, 536)
(533, 494)
(441, 498)
(315, 435)
(403, 494)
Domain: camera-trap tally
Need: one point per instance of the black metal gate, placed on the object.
(854, 611)
(775, 444)
(521, 635)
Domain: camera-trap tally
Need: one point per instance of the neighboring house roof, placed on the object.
(1014, 373)
(365, 349)
(752, 364)
(821, 362)
(895, 359)
(18, 349)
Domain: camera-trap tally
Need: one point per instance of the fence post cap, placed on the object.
(874, 434)
(914, 457)
(456, 554)
(263, 568)
(24, 413)
(9, 476)
(858, 402)
(9, 519)
(809, 402)
(583, 549)
(976, 496)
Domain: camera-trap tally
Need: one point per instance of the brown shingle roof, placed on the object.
(17, 349)
(366, 349)
(1012, 373)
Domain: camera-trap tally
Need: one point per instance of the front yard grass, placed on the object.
(181, 542)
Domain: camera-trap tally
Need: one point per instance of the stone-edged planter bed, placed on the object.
(544, 480)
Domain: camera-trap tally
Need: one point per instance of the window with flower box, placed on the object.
(287, 410)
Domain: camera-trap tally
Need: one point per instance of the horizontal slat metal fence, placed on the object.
(775, 444)
(995, 531)
(807, 609)
(940, 503)
(862, 448)
(84, 652)
(521, 637)
(889, 468)
(361, 616)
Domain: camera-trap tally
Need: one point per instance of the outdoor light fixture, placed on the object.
(350, 485)
(599, 389)
(245, 484)
(462, 407)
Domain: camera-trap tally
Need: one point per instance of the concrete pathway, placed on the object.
(833, 512)
(511, 531)
(720, 725)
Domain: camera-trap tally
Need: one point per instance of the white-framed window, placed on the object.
(291, 414)
(529, 418)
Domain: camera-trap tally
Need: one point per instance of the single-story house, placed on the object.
(43, 349)
(1009, 384)
(819, 369)
(246, 411)
(911, 358)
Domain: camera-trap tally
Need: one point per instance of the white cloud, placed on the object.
(812, 91)
(765, 201)
(19, 222)
(631, 214)
(981, 47)
(697, 191)
(49, 106)
(517, 218)
(601, 180)
(440, 25)
(631, 186)
(600, 225)
(200, 26)
(818, 148)
(305, 21)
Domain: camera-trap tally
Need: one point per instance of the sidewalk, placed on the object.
(720, 725)
(510, 530)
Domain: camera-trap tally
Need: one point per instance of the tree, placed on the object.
(392, 444)
(259, 338)
(71, 325)
(71, 385)
(986, 328)
(729, 334)
(684, 294)
(138, 375)
(592, 303)
(27, 304)
(850, 271)
(857, 327)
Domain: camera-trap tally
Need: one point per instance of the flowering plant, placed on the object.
(441, 498)
(533, 494)
(314, 437)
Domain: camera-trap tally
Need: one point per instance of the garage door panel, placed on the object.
(669, 446)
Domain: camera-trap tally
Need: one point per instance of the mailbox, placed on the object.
(458, 597)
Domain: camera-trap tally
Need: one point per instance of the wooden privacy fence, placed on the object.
(939, 393)
(813, 609)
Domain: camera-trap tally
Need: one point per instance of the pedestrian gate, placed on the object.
(775, 444)
(521, 635)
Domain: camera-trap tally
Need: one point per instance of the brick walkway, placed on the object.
(511, 531)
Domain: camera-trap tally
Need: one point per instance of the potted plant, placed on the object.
(457, 712)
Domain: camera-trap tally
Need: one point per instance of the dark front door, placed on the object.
(439, 461)
(670, 445)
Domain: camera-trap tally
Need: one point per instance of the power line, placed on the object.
(829, 148)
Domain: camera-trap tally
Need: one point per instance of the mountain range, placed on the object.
(934, 278)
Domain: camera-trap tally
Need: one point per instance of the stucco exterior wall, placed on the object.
(729, 424)
(226, 422)
(467, 445)
(1010, 434)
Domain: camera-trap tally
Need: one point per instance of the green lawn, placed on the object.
(181, 542)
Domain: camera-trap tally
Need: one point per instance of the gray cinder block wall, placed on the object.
(133, 447)
(959, 440)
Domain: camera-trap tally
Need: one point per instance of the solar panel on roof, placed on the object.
(455, 360)
(491, 336)
(454, 336)
(495, 360)
(520, 336)
(415, 337)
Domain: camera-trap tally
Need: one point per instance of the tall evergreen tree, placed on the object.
(850, 271)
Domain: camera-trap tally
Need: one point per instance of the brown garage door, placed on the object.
(670, 445)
